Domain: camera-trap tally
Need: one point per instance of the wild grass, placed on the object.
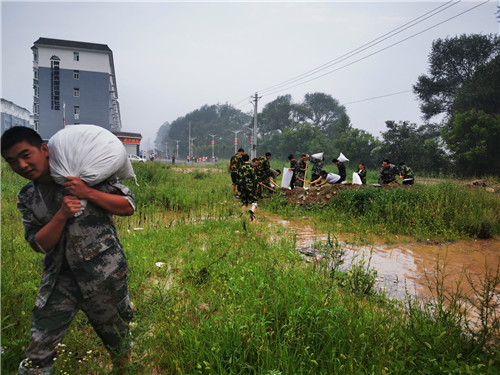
(440, 212)
(215, 294)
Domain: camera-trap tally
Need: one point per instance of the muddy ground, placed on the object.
(323, 194)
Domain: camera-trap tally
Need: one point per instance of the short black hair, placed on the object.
(245, 157)
(241, 150)
(268, 154)
(18, 134)
(363, 164)
(254, 160)
(335, 160)
(387, 161)
(303, 155)
(323, 173)
(278, 171)
(290, 157)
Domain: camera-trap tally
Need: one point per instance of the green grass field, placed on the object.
(216, 294)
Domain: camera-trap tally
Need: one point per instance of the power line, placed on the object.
(377, 97)
(380, 50)
(364, 47)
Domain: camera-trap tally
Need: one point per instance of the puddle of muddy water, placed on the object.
(403, 267)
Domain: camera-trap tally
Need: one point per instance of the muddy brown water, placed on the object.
(410, 266)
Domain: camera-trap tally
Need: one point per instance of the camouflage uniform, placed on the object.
(408, 175)
(362, 176)
(317, 168)
(300, 172)
(247, 184)
(388, 175)
(85, 270)
(234, 164)
(263, 170)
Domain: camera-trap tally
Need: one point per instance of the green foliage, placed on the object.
(443, 211)
(215, 296)
(415, 145)
(453, 62)
(473, 137)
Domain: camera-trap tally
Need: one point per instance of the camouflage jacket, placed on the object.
(388, 174)
(406, 172)
(247, 181)
(362, 175)
(89, 244)
(263, 170)
(300, 169)
(235, 163)
(317, 166)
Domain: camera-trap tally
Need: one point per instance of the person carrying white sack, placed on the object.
(84, 265)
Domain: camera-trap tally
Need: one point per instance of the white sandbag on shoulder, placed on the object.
(356, 180)
(318, 156)
(342, 158)
(87, 151)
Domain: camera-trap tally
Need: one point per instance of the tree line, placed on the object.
(460, 103)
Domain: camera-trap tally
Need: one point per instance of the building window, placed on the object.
(76, 92)
(35, 73)
(35, 55)
(36, 91)
(54, 83)
(36, 123)
(76, 112)
(76, 56)
(76, 74)
(36, 109)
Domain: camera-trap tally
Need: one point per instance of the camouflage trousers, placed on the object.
(109, 311)
(248, 197)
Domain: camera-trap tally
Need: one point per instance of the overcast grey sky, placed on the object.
(173, 57)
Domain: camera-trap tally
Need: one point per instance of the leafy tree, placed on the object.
(219, 119)
(319, 110)
(473, 138)
(276, 116)
(418, 146)
(453, 62)
(482, 92)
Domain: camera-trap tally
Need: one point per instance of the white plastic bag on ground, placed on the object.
(342, 158)
(356, 180)
(87, 151)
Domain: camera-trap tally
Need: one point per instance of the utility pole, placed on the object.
(177, 150)
(213, 146)
(254, 143)
(190, 143)
(235, 139)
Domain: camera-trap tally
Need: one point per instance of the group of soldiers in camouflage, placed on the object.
(251, 178)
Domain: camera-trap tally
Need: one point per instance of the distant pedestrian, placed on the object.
(173, 159)
(341, 168)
